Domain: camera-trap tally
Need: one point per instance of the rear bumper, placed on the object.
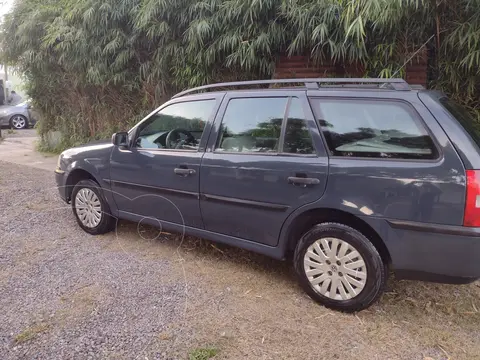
(60, 179)
(432, 252)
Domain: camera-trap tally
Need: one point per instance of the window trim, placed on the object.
(417, 118)
(287, 113)
(283, 129)
(139, 127)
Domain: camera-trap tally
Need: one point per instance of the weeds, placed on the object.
(203, 353)
(31, 333)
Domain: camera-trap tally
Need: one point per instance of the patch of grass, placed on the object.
(202, 353)
(31, 333)
(11, 131)
(36, 206)
(46, 150)
(165, 336)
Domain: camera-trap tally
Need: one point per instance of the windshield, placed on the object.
(463, 117)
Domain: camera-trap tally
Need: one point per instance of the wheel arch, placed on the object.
(74, 177)
(304, 221)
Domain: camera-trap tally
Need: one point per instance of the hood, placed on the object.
(97, 142)
(93, 148)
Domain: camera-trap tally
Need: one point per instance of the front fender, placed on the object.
(99, 170)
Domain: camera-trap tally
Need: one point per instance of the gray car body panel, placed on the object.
(12, 110)
(93, 158)
(415, 206)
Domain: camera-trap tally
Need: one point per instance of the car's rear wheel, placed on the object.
(18, 122)
(91, 209)
(339, 267)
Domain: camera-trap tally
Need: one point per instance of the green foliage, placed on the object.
(202, 354)
(93, 67)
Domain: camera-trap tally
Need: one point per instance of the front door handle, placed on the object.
(184, 172)
(303, 181)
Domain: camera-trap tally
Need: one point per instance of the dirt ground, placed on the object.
(18, 147)
(148, 295)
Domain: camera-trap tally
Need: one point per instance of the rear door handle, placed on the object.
(184, 172)
(303, 181)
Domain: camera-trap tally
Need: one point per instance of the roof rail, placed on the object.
(313, 83)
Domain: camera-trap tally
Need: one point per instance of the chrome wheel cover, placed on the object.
(18, 122)
(335, 269)
(88, 208)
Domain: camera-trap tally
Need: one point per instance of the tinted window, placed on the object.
(463, 117)
(378, 129)
(297, 136)
(252, 125)
(178, 126)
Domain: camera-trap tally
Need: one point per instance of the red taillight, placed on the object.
(472, 204)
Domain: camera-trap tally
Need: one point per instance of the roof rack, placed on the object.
(314, 83)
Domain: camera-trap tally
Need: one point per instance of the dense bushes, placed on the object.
(96, 66)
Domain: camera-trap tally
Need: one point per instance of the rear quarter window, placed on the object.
(373, 129)
(463, 117)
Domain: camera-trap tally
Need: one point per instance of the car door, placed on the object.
(264, 159)
(157, 177)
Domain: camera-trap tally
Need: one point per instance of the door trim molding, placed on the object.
(248, 203)
(207, 197)
(434, 228)
(161, 190)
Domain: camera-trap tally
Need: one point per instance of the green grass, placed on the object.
(202, 353)
(30, 333)
(44, 149)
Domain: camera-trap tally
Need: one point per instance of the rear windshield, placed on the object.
(463, 117)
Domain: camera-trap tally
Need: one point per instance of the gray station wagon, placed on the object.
(349, 177)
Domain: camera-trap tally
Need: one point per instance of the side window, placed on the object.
(178, 126)
(373, 129)
(252, 125)
(298, 139)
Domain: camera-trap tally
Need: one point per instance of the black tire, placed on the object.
(107, 222)
(25, 126)
(376, 269)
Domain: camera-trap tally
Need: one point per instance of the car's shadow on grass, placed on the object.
(439, 317)
(400, 296)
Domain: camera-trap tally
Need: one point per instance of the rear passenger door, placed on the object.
(264, 159)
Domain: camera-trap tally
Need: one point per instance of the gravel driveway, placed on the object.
(137, 294)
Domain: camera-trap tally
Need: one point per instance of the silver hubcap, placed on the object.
(18, 122)
(88, 208)
(335, 269)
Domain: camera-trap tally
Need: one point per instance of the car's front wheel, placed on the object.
(339, 267)
(91, 209)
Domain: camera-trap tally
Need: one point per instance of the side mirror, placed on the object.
(120, 139)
